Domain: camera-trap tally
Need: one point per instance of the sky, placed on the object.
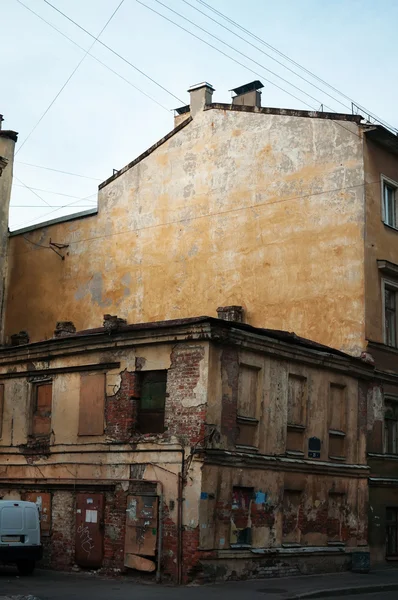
(100, 121)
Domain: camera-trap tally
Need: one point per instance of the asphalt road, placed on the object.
(50, 585)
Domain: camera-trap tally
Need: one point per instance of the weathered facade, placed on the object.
(188, 447)
(291, 214)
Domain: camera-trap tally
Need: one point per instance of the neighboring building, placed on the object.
(203, 448)
(7, 144)
(291, 214)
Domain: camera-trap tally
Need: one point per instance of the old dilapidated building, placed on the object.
(291, 214)
(189, 447)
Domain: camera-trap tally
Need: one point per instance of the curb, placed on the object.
(348, 591)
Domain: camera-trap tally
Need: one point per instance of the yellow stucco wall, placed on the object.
(236, 208)
(381, 241)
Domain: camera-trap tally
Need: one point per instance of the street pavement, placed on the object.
(50, 585)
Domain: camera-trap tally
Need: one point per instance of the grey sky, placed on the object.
(100, 122)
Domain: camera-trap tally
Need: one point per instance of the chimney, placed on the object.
(201, 95)
(230, 313)
(248, 94)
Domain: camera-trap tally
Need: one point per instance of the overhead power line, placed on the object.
(240, 63)
(114, 52)
(93, 57)
(55, 210)
(57, 170)
(48, 191)
(218, 50)
(30, 189)
(69, 78)
(254, 36)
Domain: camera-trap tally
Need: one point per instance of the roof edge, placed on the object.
(287, 112)
(74, 216)
(146, 153)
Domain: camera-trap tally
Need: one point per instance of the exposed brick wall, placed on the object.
(63, 530)
(121, 409)
(183, 417)
(230, 383)
(114, 529)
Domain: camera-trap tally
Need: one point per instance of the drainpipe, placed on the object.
(160, 538)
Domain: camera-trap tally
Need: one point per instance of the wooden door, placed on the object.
(89, 530)
(141, 531)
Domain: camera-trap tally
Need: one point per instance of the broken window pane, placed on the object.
(151, 405)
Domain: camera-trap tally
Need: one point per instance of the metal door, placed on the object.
(141, 528)
(89, 530)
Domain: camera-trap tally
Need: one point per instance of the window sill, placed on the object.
(390, 226)
(296, 453)
(338, 458)
(246, 448)
(246, 420)
(294, 427)
(336, 432)
(240, 546)
(337, 543)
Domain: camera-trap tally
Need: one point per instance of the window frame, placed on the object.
(389, 283)
(388, 400)
(35, 384)
(387, 182)
(391, 524)
(142, 413)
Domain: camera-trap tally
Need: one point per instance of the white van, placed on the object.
(20, 535)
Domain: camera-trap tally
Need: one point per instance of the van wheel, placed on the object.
(26, 567)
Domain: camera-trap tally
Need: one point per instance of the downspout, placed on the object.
(160, 538)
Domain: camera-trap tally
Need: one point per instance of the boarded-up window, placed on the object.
(337, 414)
(1, 407)
(291, 517)
(92, 403)
(241, 533)
(296, 413)
(335, 517)
(42, 403)
(43, 501)
(247, 416)
(151, 405)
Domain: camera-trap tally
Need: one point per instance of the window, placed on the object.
(390, 314)
(291, 533)
(391, 427)
(151, 404)
(42, 402)
(390, 201)
(92, 404)
(241, 533)
(337, 421)
(296, 413)
(247, 417)
(392, 532)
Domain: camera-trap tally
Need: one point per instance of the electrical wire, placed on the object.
(220, 51)
(30, 189)
(53, 211)
(220, 213)
(96, 59)
(49, 191)
(234, 49)
(265, 53)
(114, 52)
(69, 78)
(239, 63)
(252, 35)
(56, 170)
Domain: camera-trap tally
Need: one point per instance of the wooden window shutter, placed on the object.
(42, 409)
(1, 407)
(92, 404)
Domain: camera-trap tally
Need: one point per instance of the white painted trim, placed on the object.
(384, 179)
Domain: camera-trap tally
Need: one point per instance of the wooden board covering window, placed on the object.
(92, 404)
(43, 394)
(1, 407)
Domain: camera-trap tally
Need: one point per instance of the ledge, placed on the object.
(244, 553)
(387, 267)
